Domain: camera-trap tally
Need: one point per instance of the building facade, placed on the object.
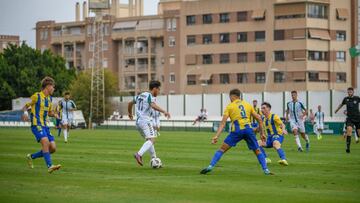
(5, 40)
(211, 46)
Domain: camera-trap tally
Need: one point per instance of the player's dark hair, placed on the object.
(266, 104)
(350, 88)
(154, 84)
(47, 81)
(294, 91)
(235, 92)
(67, 93)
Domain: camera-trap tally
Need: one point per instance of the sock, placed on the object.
(47, 159)
(217, 156)
(262, 161)
(263, 151)
(152, 151)
(297, 140)
(59, 132)
(146, 146)
(307, 138)
(37, 155)
(65, 135)
(281, 153)
(348, 142)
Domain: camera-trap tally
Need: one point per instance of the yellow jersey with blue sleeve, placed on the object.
(273, 125)
(40, 107)
(239, 112)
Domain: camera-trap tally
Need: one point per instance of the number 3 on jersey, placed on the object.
(242, 111)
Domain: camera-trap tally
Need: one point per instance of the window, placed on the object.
(318, 56)
(190, 20)
(169, 24)
(242, 16)
(242, 57)
(224, 17)
(105, 46)
(89, 30)
(279, 77)
(224, 58)
(279, 34)
(317, 11)
(172, 78)
(340, 56)
(242, 37)
(104, 63)
(91, 46)
(171, 59)
(191, 80)
(260, 36)
(340, 35)
(207, 19)
(290, 16)
(313, 76)
(44, 35)
(106, 29)
(340, 77)
(207, 59)
(224, 38)
(260, 77)
(207, 39)
(191, 40)
(173, 27)
(279, 55)
(224, 79)
(171, 41)
(260, 56)
(242, 78)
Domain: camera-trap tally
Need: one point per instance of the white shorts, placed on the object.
(297, 125)
(319, 126)
(66, 121)
(146, 129)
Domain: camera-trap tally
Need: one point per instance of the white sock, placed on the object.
(307, 138)
(152, 151)
(297, 140)
(146, 146)
(65, 135)
(356, 137)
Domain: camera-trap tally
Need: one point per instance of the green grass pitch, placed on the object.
(98, 166)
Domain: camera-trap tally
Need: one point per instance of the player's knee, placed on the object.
(276, 145)
(224, 147)
(257, 151)
(52, 150)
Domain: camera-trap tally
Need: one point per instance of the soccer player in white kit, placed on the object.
(67, 107)
(295, 114)
(144, 104)
(319, 118)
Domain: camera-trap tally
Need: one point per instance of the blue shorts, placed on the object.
(254, 125)
(41, 132)
(247, 134)
(270, 140)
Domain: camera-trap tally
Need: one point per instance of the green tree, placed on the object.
(81, 92)
(22, 68)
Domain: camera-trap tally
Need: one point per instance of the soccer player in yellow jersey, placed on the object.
(239, 112)
(275, 130)
(254, 123)
(41, 108)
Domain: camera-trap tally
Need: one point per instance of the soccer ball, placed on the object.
(155, 163)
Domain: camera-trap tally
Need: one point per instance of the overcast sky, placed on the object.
(18, 17)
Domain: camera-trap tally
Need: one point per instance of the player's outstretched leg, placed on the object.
(144, 148)
(281, 153)
(261, 147)
(349, 130)
(30, 157)
(298, 143)
(216, 158)
(261, 158)
(307, 140)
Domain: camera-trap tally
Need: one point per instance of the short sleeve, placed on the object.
(344, 101)
(34, 99)
(151, 99)
(302, 106)
(134, 99)
(73, 104)
(277, 120)
(227, 110)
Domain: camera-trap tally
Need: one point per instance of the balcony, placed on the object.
(59, 38)
(300, 1)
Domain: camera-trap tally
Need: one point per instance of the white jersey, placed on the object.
(143, 106)
(319, 117)
(296, 110)
(155, 115)
(66, 107)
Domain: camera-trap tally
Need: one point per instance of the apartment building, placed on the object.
(211, 46)
(5, 40)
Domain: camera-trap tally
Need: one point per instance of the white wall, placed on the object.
(212, 104)
(176, 105)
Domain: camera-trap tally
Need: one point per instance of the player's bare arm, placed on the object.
(157, 108)
(339, 107)
(259, 120)
(130, 107)
(220, 129)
